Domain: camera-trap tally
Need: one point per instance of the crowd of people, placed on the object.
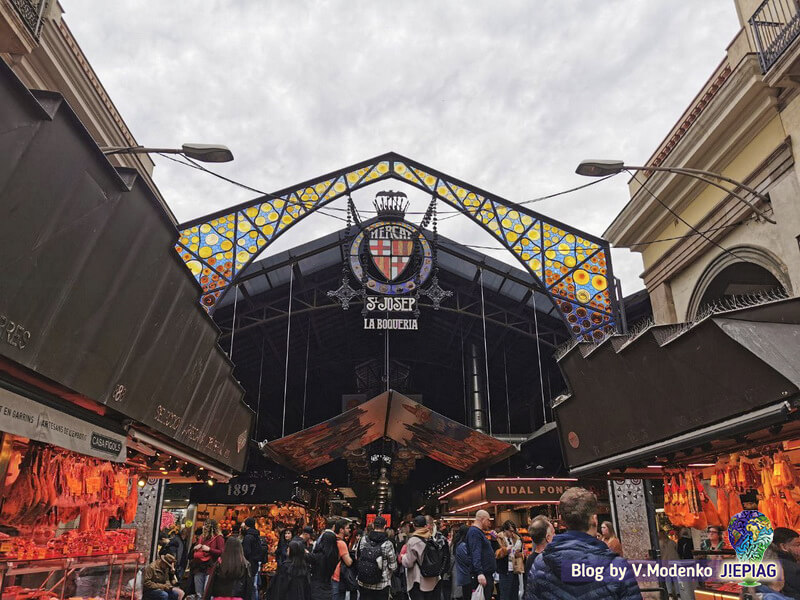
(422, 560)
(207, 567)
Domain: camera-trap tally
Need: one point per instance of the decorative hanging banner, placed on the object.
(392, 259)
(28, 418)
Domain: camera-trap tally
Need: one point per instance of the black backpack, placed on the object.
(433, 559)
(447, 559)
(264, 549)
(369, 571)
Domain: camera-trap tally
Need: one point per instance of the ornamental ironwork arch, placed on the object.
(573, 267)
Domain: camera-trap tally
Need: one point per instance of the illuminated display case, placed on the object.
(110, 577)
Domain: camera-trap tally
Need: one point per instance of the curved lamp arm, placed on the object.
(601, 168)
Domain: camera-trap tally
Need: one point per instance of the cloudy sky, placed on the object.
(506, 95)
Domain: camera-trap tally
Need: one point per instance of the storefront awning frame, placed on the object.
(746, 423)
(95, 296)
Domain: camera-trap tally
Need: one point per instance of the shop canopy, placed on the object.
(674, 387)
(93, 295)
(395, 416)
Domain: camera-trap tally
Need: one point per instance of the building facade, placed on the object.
(37, 44)
(744, 124)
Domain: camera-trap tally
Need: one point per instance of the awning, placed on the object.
(670, 387)
(93, 295)
(395, 416)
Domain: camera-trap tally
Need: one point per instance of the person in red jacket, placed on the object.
(207, 551)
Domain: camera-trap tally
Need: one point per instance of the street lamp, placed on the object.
(201, 152)
(603, 168)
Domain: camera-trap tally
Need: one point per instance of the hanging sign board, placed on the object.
(242, 490)
(392, 260)
(28, 418)
(371, 519)
(383, 305)
(527, 490)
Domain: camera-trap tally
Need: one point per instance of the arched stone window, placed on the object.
(742, 271)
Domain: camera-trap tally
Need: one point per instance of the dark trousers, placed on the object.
(445, 588)
(466, 590)
(159, 595)
(365, 594)
(338, 591)
(509, 586)
(418, 594)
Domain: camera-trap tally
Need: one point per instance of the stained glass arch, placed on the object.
(573, 267)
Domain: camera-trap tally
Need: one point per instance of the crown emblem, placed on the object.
(390, 205)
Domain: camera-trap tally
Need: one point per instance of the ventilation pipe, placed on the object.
(478, 417)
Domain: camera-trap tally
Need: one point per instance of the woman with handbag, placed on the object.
(206, 552)
(508, 557)
(230, 578)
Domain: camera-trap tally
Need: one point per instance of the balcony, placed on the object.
(775, 25)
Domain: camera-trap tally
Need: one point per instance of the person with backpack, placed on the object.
(509, 555)
(293, 579)
(444, 573)
(253, 547)
(422, 559)
(376, 561)
(341, 530)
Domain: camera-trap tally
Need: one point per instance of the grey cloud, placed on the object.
(509, 96)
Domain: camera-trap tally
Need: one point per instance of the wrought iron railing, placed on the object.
(775, 25)
(31, 12)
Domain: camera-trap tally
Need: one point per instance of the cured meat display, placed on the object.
(72, 543)
(56, 486)
(770, 475)
(686, 502)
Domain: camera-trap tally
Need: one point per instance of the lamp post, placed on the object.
(603, 168)
(201, 152)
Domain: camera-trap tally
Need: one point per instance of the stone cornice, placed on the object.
(739, 110)
(725, 213)
(60, 65)
(699, 104)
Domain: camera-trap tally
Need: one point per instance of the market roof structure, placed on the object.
(573, 267)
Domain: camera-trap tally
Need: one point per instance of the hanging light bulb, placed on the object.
(141, 481)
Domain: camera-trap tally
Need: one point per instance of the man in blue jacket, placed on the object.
(481, 556)
(553, 576)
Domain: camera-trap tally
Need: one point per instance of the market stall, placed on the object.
(275, 505)
(67, 499)
(702, 411)
(516, 499)
(700, 491)
(511, 498)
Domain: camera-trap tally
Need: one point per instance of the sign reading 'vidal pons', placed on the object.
(530, 490)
